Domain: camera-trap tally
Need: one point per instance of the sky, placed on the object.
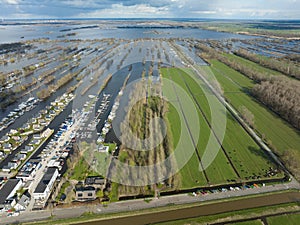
(223, 9)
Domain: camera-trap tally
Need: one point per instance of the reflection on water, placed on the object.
(14, 33)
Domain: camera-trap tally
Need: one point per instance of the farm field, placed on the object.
(267, 123)
(251, 64)
(252, 222)
(234, 162)
(291, 219)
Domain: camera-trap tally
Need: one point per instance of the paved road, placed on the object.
(139, 204)
(163, 201)
(41, 171)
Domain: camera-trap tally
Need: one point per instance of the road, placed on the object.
(173, 199)
(41, 171)
(130, 205)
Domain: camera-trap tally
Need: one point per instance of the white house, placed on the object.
(44, 187)
(8, 191)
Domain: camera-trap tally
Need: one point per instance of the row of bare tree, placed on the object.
(279, 93)
(281, 65)
(282, 95)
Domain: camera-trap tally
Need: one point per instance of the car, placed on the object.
(63, 197)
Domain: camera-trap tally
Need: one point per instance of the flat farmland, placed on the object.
(238, 153)
(267, 123)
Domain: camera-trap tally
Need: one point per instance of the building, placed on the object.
(44, 187)
(87, 193)
(7, 147)
(4, 139)
(7, 192)
(94, 180)
(37, 136)
(28, 171)
(27, 149)
(23, 202)
(35, 142)
(10, 166)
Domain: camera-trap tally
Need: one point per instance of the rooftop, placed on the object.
(7, 189)
(45, 180)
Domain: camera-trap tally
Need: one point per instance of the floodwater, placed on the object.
(202, 210)
(99, 30)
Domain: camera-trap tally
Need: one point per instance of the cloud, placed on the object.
(9, 2)
(152, 8)
(132, 11)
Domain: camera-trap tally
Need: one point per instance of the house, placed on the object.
(7, 147)
(37, 136)
(27, 149)
(8, 191)
(33, 120)
(48, 117)
(42, 122)
(26, 126)
(23, 202)
(4, 139)
(87, 193)
(35, 142)
(44, 187)
(12, 165)
(52, 113)
(28, 171)
(13, 132)
(16, 138)
(19, 157)
(94, 180)
(103, 148)
(36, 127)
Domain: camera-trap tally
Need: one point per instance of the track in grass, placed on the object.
(267, 123)
(239, 153)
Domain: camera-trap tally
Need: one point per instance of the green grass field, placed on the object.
(190, 176)
(267, 123)
(252, 65)
(251, 222)
(239, 150)
(291, 219)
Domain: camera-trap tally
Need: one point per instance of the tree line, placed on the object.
(280, 93)
(281, 65)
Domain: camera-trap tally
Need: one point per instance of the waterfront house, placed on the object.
(28, 171)
(7, 192)
(42, 122)
(45, 186)
(16, 138)
(37, 136)
(95, 181)
(48, 117)
(13, 132)
(19, 157)
(12, 165)
(35, 142)
(36, 127)
(87, 193)
(52, 113)
(7, 147)
(4, 139)
(27, 149)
